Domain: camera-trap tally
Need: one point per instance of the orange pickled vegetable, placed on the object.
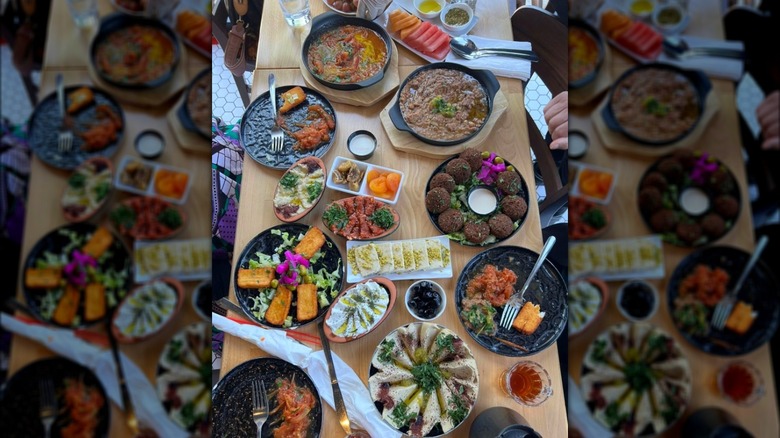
(372, 175)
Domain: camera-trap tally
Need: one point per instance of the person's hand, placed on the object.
(768, 114)
(556, 114)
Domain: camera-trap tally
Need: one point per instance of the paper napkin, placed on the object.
(714, 66)
(500, 65)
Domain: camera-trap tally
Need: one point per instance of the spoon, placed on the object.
(678, 48)
(465, 48)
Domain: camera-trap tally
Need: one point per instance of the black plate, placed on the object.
(327, 21)
(55, 242)
(119, 21)
(760, 289)
(698, 80)
(19, 410)
(265, 242)
(232, 398)
(45, 123)
(184, 111)
(435, 217)
(710, 187)
(256, 126)
(548, 290)
(486, 78)
(590, 30)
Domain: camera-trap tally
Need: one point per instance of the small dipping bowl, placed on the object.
(482, 200)
(578, 144)
(637, 300)
(452, 27)
(670, 18)
(694, 201)
(428, 8)
(419, 300)
(149, 144)
(641, 9)
(361, 144)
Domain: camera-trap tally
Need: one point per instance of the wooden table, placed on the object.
(509, 139)
(722, 140)
(65, 46)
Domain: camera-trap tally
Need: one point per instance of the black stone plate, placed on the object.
(19, 410)
(45, 123)
(761, 289)
(232, 398)
(266, 243)
(56, 242)
(256, 126)
(464, 208)
(548, 289)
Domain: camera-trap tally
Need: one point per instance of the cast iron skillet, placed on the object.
(698, 79)
(118, 21)
(590, 30)
(184, 111)
(486, 78)
(325, 22)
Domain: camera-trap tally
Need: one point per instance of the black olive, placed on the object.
(424, 300)
(637, 300)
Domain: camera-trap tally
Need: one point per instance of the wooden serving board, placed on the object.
(620, 143)
(602, 81)
(406, 142)
(186, 139)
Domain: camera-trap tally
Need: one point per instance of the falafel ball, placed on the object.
(713, 225)
(663, 221)
(721, 181)
(671, 169)
(688, 232)
(450, 221)
(459, 169)
(727, 206)
(650, 200)
(655, 179)
(476, 232)
(443, 180)
(501, 225)
(686, 157)
(508, 182)
(514, 206)
(473, 157)
(437, 200)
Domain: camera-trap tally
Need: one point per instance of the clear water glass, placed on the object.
(296, 13)
(84, 12)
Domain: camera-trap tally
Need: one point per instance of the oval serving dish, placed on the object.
(343, 216)
(302, 185)
(145, 312)
(90, 183)
(385, 284)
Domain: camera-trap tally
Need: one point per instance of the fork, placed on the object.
(65, 139)
(726, 304)
(514, 304)
(259, 405)
(48, 404)
(277, 136)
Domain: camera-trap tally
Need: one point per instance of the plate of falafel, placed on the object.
(689, 197)
(477, 198)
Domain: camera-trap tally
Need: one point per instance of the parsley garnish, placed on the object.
(170, 217)
(77, 180)
(123, 216)
(457, 409)
(439, 105)
(427, 376)
(595, 218)
(401, 415)
(654, 107)
(101, 190)
(289, 180)
(382, 218)
(386, 351)
(314, 190)
(335, 215)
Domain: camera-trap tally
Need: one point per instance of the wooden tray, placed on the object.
(620, 143)
(406, 142)
(363, 97)
(185, 138)
(602, 81)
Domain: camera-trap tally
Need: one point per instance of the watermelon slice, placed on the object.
(441, 51)
(418, 32)
(435, 43)
(417, 43)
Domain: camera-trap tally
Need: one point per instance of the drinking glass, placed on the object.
(84, 12)
(740, 382)
(297, 13)
(527, 382)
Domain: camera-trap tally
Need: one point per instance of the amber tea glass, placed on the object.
(527, 382)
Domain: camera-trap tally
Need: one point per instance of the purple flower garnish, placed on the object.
(76, 270)
(702, 169)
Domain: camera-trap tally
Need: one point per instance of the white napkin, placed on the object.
(580, 417)
(356, 396)
(500, 65)
(714, 66)
(148, 408)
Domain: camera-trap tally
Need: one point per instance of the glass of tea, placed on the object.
(740, 382)
(527, 383)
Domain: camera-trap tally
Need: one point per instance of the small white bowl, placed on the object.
(437, 287)
(653, 309)
(450, 7)
(641, 14)
(428, 14)
(667, 27)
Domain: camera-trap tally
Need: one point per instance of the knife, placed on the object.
(132, 421)
(341, 410)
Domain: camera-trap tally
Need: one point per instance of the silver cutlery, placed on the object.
(726, 304)
(48, 404)
(678, 48)
(514, 304)
(259, 405)
(466, 48)
(65, 138)
(277, 136)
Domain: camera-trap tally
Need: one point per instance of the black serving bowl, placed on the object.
(119, 21)
(486, 78)
(701, 84)
(184, 112)
(325, 22)
(593, 33)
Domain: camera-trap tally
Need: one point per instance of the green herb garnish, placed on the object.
(382, 217)
(386, 351)
(692, 318)
(314, 190)
(439, 105)
(457, 410)
(595, 218)
(599, 353)
(335, 215)
(77, 180)
(445, 343)
(427, 376)
(639, 376)
(170, 217)
(613, 417)
(289, 180)
(101, 190)
(123, 216)
(654, 107)
(401, 415)
(480, 318)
